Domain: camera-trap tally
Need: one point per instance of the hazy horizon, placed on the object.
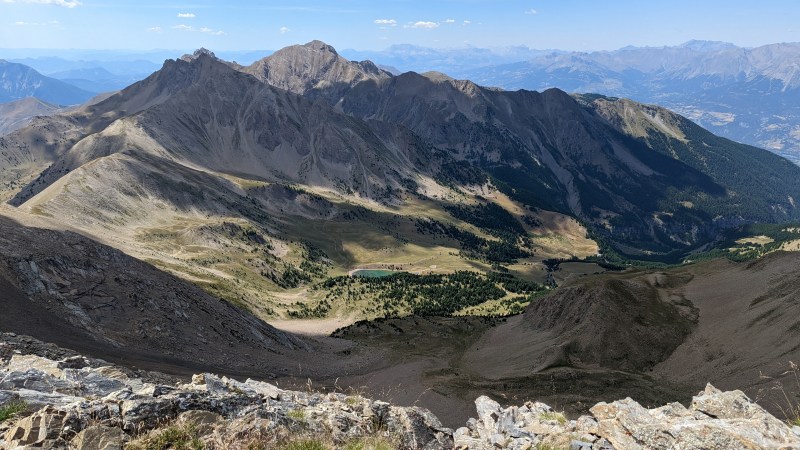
(573, 25)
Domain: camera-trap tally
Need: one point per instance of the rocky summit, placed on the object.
(76, 402)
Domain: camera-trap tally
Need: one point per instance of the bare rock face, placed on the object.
(222, 411)
(715, 419)
(628, 425)
(42, 429)
(302, 69)
(98, 437)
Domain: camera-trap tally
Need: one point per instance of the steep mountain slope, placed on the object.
(18, 81)
(556, 153)
(313, 67)
(75, 292)
(254, 192)
(746, 94)
(731, 324)
(672, 134)
(190, 113)
(17, 114)
(226, 181)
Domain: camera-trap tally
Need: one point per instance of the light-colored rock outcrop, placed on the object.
(78, 403)
(714, 420)
(102, 407)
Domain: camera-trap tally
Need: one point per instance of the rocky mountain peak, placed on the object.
(315, 66)
(319, 46)
(200, 52)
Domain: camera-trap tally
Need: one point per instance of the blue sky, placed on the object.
(372, 25)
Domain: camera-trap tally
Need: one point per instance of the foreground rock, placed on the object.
(78, 403)
(71, 404)
(714, 420)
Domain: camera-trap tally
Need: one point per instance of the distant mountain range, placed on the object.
(746, 94)
(751, 95)
(18, 81)
(94, 76)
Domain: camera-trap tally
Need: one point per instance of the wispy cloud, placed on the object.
(386, 22)
(467, 22)
(186, 15)
(450, 21)
(424, 25)
(205, 30)
(64, 3)
(51, 23)
(531, 12)
(157, 30)
(212, 31)
(284, 30)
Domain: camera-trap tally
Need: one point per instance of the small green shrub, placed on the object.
(556, 416)
(11, 410)
(305, 444)
(371, 443)
(297, 414)
(173, 437)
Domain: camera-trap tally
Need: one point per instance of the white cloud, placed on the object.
(388, 22)
(205, 30)
(284, 30)
(51, 23)
(531, 12)
(187, 15)
(157, 30)
(212, 32)
(467, 22)
(450, 21)
(64, 3)
(422, 24)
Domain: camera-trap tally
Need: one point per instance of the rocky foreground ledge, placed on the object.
(81, 403)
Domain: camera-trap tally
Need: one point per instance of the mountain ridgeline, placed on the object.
(647, 183)
(18, 81)
(746, 94)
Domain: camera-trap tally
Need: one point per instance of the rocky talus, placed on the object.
(80, 403)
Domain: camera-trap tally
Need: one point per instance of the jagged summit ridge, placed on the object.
(202, 51)
(313, 66)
